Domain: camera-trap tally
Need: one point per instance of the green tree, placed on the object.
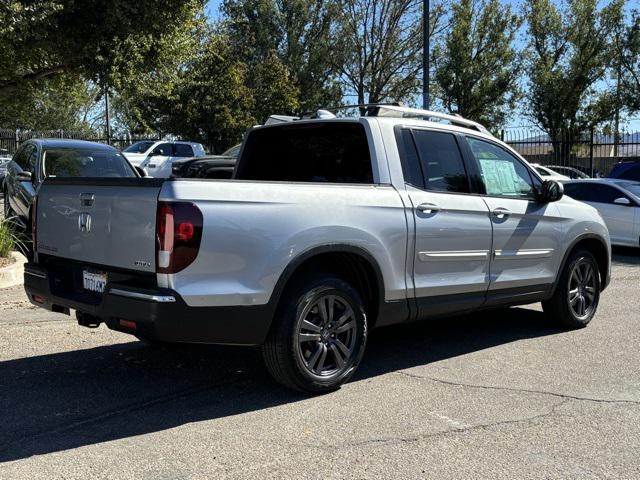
(208, 101)
(101, 40)
(477, 68)
(570, 51)
(381, 48)
(297, 37)
(630, 65)
(63, 102)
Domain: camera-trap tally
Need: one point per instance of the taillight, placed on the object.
(178, 232)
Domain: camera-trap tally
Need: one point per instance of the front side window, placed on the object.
(605, 193)
(164, 149)
(502, 173)
(441, 161)
(67, 162)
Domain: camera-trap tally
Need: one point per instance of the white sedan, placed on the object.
(617, 200)
(548, 174)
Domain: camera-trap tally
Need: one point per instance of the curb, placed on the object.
(13, 274)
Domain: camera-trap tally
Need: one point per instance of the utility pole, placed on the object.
(106, 114)
(426, 11)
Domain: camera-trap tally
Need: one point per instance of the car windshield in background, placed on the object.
(139, 147)
(632, 187)
(233, 151)
(85, 163)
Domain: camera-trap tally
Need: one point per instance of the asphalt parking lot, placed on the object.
(502, 394)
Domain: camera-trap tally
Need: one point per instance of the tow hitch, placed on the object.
(86, 320)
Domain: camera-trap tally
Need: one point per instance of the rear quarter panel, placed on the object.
(253, 230)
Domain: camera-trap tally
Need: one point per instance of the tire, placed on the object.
(575, 301)
(318, 336)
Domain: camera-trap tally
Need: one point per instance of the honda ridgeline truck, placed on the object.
(329, 228)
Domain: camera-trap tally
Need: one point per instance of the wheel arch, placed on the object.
(351, 262)
(598, 247)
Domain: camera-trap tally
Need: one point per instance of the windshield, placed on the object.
(85, 163)
(139, 147)
(632, 187)
(233, 151)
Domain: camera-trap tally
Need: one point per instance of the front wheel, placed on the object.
(577, 295)
(318, 337)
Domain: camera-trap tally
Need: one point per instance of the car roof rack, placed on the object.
(399, 110)
(395, 110)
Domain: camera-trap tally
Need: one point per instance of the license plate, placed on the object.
(94, 282)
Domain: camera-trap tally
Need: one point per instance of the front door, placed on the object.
(526, 233)
(452, 227)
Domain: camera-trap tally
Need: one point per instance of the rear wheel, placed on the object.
(318, 337)
(577, 295)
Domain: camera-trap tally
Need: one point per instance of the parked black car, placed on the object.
(213, 166)
(627, 170)
(38, 159)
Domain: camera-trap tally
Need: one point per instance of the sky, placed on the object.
(518, 120)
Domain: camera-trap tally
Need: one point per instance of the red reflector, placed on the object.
(128, 324)
(185, 232)
(39, 299)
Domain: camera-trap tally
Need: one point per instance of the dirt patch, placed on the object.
(6, 261)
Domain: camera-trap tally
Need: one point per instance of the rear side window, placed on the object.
(632, 173)
(183, 150)
(577, 191)
(441, 162)
(332, 152)
(84, 163)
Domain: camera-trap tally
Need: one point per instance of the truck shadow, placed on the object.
(66, 400)
(625, 256)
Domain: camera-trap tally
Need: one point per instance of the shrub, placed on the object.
(7, 238)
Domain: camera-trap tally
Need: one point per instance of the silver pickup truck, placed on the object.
(330, 227)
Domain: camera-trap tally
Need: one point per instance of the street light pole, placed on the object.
(106, 114)
(425, 54)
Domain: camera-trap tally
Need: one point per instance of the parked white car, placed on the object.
(548, 174)
(156, 157)
(618, 202)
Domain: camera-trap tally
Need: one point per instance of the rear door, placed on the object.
(452, 227)
(527, 234)
(108, 222)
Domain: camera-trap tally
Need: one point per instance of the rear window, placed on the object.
(85, 163)
(183, 150)
(332, 152)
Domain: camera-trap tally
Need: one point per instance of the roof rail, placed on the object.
(396, 110)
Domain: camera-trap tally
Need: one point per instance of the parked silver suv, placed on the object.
(330, 227)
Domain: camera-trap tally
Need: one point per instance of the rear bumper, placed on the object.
(160, 314)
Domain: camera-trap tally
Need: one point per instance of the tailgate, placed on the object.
(109, 221)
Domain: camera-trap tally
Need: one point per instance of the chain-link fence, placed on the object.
(593, 153)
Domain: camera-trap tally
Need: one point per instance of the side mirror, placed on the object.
(551, 191)
(140, 171)
(622, 201)
(24, 176)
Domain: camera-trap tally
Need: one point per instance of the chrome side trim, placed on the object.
(443, 256)
(35, 274)
(143, 296)
(532, 253)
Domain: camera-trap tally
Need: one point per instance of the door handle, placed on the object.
(428, 208)
(501, 212)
